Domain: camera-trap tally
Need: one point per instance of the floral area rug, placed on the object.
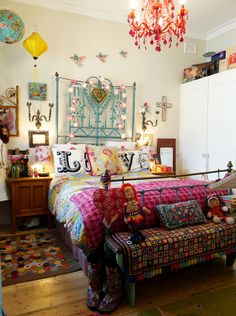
(34, 256)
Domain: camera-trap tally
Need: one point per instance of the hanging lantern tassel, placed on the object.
(36, 46)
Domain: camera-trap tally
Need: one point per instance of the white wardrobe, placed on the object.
(207, 137)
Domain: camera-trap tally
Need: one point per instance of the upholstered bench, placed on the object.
(169, 250)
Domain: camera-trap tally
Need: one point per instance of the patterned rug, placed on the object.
(33, 256)
(218, 302)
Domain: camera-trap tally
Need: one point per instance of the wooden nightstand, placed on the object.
(29, 197)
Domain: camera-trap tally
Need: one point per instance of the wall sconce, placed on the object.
(144, 110)
(38, 118)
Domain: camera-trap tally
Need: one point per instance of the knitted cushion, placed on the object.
(180, 214)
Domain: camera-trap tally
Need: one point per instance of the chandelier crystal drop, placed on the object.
(157, 23)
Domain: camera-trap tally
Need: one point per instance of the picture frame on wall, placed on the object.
(37, 91)
(38, 138)
(9, 103)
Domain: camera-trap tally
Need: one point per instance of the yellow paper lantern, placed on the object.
(35, 45)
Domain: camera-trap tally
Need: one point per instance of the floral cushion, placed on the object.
(102, 158)
(180, 214)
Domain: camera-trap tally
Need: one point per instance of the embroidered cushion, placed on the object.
(102, 158)
(68, 161)
(133, 160)
(180, 214)
(82, 153)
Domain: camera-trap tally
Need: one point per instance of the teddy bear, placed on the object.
(217, 212)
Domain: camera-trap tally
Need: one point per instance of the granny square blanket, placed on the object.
(163, 247)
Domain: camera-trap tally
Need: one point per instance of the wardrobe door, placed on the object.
(221, 131)
(193, 126)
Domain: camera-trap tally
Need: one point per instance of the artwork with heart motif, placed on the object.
(110, 205)
(99, 94)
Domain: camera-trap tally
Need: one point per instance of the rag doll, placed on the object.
(217, 212)
(133, 212)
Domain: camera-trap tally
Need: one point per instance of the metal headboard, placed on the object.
(96, 110)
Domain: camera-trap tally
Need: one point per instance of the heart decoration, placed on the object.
(110, 203)
(99, 94)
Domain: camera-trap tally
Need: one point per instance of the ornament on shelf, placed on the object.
(102, 57)
(78, 60)
(123, 53)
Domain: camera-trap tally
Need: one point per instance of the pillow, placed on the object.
(102, 158)
(68, 162)
(80, 147)
(68, 146)
(180, 214)
(133, 160)
(122, 146)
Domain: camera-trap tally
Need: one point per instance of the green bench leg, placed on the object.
(230, 260)
(130, 290)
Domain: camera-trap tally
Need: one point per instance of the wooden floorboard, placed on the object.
(65, 295)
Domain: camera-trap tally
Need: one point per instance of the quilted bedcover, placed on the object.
(70, 201)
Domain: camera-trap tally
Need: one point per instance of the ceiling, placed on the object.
(207, 18)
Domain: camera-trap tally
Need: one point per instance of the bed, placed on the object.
(101, 112)
(79, 166)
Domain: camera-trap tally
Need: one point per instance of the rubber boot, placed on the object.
(113, 290)
(95, 284)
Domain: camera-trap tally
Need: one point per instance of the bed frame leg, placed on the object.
(130, 290)
(230, 260)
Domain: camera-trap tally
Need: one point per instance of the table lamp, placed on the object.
(42, 154)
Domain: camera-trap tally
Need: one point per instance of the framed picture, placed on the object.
(37, 91)
(166, 151)
(38, 138)
(9, 102)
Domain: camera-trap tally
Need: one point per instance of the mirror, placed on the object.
(166, 151)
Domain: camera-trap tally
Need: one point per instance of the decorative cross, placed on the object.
(164, 106)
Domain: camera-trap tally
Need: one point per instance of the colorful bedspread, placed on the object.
(70, 200)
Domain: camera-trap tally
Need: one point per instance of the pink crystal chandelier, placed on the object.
(156, 21)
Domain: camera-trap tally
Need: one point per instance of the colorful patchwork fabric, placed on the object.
(176, 248)
(180, 214)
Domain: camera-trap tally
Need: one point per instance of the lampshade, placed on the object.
(35, 45)
(12, 27)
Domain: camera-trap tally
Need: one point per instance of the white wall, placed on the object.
(156, 74)
(222, 41)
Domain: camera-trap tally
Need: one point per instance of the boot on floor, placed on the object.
(113, 290)
(95, 284)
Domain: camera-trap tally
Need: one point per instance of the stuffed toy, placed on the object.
(133, 212)
(217, 212)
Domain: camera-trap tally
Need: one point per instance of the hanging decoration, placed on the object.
(102, 57)
(12, 27)
(36, 46)
(123, 53)
(156, 22)
(78, 60)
